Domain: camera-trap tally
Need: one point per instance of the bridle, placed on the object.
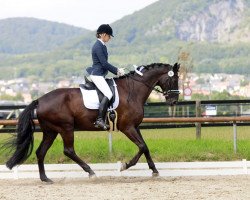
(164, 93)
(168, 92)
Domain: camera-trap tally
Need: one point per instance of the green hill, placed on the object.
(215, 34)
(29, 35)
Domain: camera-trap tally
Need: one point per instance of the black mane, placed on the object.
(147, 67)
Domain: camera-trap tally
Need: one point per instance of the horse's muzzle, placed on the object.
(173, 103)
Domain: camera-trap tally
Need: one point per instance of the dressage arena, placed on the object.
(232, 182)
(202, 187)
(180, 180)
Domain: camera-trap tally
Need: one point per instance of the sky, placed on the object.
(81, 13)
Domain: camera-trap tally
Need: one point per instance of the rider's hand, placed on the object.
(120, 72)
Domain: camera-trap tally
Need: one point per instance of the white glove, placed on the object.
(120, 72)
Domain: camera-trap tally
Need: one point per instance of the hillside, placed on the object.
(29, 35)
(215, 34)
(204, 20)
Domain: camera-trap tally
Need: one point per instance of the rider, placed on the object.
(100, 69)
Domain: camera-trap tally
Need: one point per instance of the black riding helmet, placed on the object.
(105, 28)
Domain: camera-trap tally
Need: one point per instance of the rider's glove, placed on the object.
(120, 72)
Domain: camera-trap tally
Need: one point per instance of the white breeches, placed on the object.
(102, 85)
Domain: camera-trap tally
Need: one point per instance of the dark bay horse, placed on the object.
(62, 110)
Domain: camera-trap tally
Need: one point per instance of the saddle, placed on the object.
(89, 85)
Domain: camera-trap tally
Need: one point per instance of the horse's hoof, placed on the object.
(123, 167)
(155, 174)
(47, 181)
(92, 176)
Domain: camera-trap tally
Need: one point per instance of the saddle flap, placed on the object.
(89, 85)
(91, 99)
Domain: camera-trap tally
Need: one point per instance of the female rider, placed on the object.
(100, 69)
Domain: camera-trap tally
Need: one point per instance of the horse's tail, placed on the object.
(22, 143)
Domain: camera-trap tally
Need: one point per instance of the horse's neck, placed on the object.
(149, 80)
(136, 88)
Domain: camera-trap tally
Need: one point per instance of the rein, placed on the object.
(150, 87)
(165, 93)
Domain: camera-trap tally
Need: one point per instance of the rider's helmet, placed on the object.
(105, 28)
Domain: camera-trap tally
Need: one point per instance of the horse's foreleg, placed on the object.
(133, 161)
(68, 141)
(136, 138)
(148, 157)
(47, 141)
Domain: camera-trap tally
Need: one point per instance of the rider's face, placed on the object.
(105, 37)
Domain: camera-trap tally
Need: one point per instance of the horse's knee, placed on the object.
(143, 148)
(68, 151)
(38, 153)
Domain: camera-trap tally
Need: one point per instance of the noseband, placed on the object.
(170, 92)
(167, 93)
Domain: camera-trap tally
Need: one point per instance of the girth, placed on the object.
(89, 85)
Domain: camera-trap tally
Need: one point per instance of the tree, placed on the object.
(186, 66)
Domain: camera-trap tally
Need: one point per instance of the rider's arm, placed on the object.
(101, 56)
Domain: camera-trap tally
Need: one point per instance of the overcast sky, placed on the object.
(82, 13)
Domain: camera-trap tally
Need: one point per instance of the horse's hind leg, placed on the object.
(48, 139)
(68, 141)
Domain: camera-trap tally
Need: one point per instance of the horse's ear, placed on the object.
(176, 67)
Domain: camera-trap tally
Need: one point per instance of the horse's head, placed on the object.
(169, 84)
(157, 74)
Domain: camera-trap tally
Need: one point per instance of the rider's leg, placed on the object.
(102, 85)
(100, 121)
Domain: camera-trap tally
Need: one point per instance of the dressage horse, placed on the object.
(62, 111)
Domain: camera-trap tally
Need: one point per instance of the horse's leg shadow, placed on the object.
(135, 136)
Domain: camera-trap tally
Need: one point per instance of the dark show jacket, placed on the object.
(100, 65)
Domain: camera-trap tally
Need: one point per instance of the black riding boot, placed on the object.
(100, 121)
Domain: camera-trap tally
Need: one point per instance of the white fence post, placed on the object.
(110, 142)
(235, 136)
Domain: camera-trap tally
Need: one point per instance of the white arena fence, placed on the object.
(166, 169)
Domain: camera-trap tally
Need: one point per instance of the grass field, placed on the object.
(165, 145)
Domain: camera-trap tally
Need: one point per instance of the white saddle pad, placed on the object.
(91, 100)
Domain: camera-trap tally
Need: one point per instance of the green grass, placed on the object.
(165, 145)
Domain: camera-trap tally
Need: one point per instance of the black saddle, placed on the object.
(89, 85)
